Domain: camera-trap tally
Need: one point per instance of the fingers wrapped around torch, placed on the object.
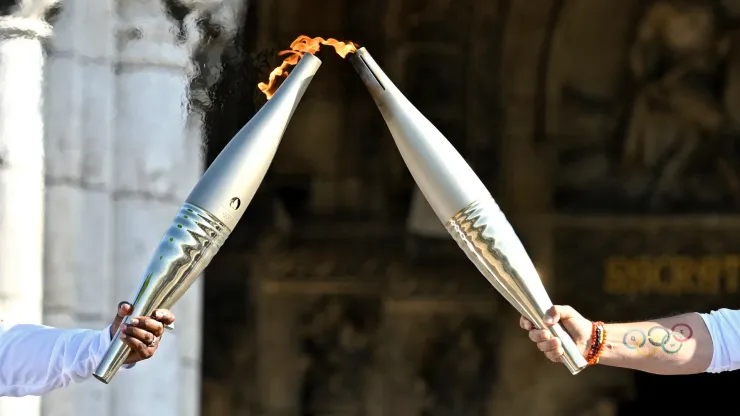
(143, 333)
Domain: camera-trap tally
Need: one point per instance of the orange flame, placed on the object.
(302, 44)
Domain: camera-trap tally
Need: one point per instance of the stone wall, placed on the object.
(22, 30)
(123, 141)
(79, 109)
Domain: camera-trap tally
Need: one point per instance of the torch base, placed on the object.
(186, 249)
(488, 239)
(99, 378)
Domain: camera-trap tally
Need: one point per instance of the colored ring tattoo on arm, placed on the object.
(649, 350)
(657, 338)
(682, 332)
(634, 339)
(671, 346)
(662, 338)
(658, 335)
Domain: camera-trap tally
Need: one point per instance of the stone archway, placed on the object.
(540, 41)
(559, 56)
(585, 65)
(584, 92)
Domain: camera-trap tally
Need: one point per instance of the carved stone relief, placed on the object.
(440, 351)
(458, 367)
(660, 134)
(318, 316)
(337, 336)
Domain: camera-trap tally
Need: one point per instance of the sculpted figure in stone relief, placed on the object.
(679, 140)
(458, 367)
(336, 343)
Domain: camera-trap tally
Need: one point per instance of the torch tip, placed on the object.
(310, 56)
(368, 70)
(360, 54)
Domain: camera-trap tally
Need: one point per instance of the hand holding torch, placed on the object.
(463, 204)
(213, 208)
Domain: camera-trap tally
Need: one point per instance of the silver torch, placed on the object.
(463, 204)
(213, 208)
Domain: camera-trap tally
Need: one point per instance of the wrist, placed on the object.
(587, 347)
(596, 343)
(608, 353)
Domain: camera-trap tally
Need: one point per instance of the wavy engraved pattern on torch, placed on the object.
(489, 240)
(187, 247)
(472, 228)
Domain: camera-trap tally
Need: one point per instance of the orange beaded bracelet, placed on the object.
(598, 339)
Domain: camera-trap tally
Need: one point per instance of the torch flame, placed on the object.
(303, 44)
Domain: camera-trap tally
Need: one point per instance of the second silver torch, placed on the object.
(213, 208)
(463, 204)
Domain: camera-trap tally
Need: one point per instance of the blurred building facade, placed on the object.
(606, 130)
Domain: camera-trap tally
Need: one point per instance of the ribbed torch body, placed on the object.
(463, 204)
(213, 208)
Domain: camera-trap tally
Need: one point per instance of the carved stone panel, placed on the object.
(441, 344)
(641, 114)
(337, 344)
(457, 366)
(317, 319)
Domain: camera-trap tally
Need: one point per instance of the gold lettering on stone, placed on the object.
(672, 275)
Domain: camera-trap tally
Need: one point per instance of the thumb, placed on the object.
(124, 309)
(559, 313)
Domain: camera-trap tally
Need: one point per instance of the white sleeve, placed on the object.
(724, 329)
(36, 359)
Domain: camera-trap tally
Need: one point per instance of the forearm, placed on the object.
(36, 359)
(685, 344)
(676, 345)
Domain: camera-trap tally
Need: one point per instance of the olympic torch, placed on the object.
(213, 208)
(463, 204)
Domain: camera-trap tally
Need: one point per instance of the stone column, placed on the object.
(203, 72)
(79, 111)
(189, 310)
(157, 161)
(22, 173)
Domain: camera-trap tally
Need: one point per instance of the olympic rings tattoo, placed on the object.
(633, 335)
(657, 338)
(648, 351)
(643, 345)
(662, 335)
(682, 332)
(672, 346)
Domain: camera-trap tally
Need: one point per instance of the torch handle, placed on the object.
(113, 360)
(186, 248)
(573, 357)
(488, 239)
